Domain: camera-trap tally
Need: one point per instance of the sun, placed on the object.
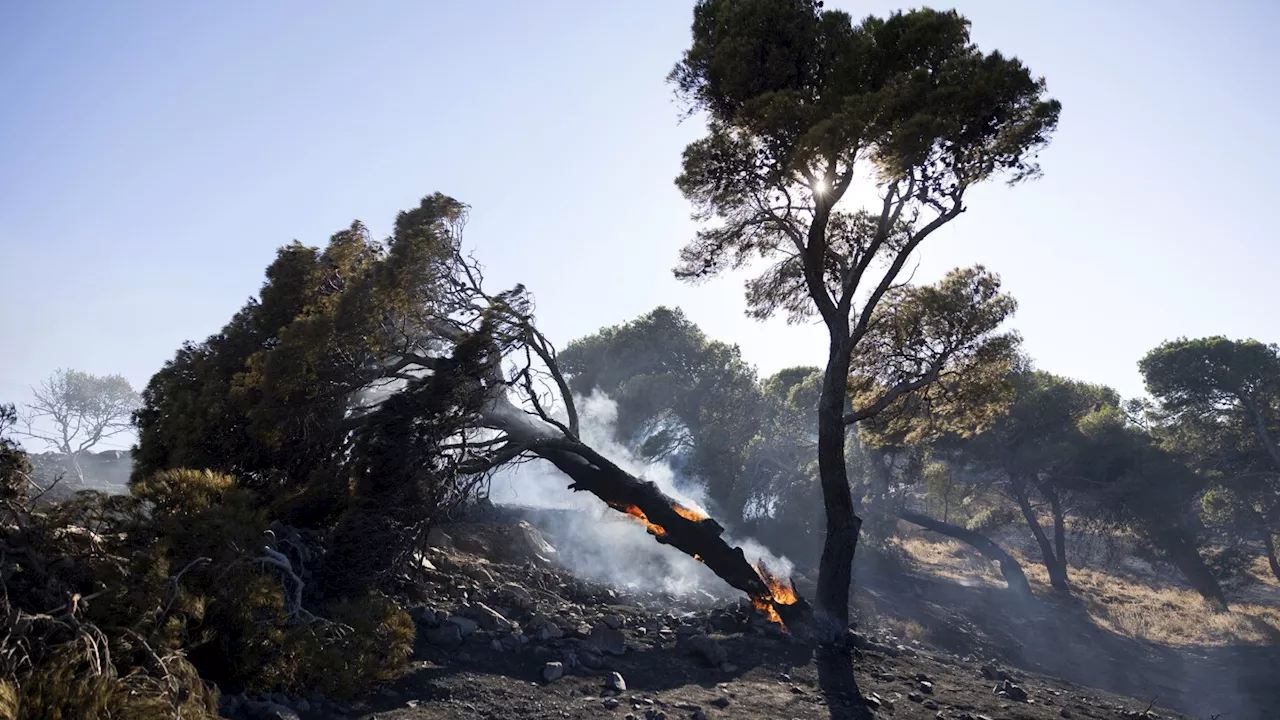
(820, 186)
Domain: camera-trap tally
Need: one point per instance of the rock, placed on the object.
(706, 647)
(886, 677)
(489, 619)
(612, 621)
(721, 702)
(447, 636)
(590, 659)
(926, 686)
(614, 683)
(922, 677)
(991, 671)
(437, 539)
(1011, 691)
(271, 711)
(512, 643)
(873, 701)
(479, 574)
(552, 671)
(1064, 712)
(301, 705)
(607, 639)
(424, 616)
(915, 697)
(699, 715)
(544, 629)
(496, 645)
(465, 625)
(610, 703)
(931, 704)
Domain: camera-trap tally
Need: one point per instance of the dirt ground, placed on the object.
(493, 614)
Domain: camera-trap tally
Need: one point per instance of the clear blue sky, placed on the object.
(154, 154)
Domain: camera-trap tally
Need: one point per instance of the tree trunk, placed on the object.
(1269, 541)
(1009, 567)
(1059, 527)
(1057, 573)
(836, 567)
(1184, 556)
(698, 538)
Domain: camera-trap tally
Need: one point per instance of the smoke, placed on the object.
(597, 543)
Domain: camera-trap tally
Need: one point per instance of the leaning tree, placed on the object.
(372, 383)
(802, 105)
(1220, 409)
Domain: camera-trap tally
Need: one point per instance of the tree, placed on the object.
(799, 101)
(681, 397)
(74, 411)
(1220, 401)
(370, 385)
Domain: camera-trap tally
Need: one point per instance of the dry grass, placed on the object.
(1126, 602)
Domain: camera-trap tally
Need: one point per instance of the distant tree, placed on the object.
(74, 411)
(799, 103)
(1220, 410)
(15, 466)
(680, 396)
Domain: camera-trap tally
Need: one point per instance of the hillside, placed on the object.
(495, 615)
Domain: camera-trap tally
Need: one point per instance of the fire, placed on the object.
(689, 513)
(780, 593)
(638, 514)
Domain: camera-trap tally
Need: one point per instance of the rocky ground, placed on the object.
(503, 633)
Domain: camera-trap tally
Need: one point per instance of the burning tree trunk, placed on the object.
(685, 529)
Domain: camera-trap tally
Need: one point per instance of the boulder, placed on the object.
(552, 671)
(447, 636)
(607, 639)
(614, 683)
(465, 625)
(489, 619)
(706, 647)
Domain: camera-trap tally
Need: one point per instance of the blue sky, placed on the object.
(153, 155)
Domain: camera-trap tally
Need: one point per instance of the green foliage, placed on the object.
(268, 398)
(1211, 375)
(679, 395)
(796, 96)
(15, 466)
(933, 363)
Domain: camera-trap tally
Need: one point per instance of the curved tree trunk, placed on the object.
(835, 570)
(1186, 557)
(1009, 567)
(1052, 563)
(1269, 541)
(699, 538)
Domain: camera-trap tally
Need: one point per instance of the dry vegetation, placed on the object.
(1127, 597)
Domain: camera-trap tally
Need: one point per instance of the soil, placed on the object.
(704, 657)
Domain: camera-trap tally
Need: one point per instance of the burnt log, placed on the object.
(671, 524)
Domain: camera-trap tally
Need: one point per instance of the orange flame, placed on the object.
(689, 513)
(780, 593)
(638, 514)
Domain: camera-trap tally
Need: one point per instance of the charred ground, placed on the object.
(497, 618)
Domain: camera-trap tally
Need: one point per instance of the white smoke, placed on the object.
(601, 544)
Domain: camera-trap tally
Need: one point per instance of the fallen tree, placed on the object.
(372, 389)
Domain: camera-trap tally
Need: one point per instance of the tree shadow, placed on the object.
(1057, 637)
(838, 686)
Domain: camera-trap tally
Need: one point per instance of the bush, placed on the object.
(192, 583)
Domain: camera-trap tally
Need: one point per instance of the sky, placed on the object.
(153, 156)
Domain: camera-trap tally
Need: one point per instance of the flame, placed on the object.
(638, 514)
(780, 593)
(689, 513)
